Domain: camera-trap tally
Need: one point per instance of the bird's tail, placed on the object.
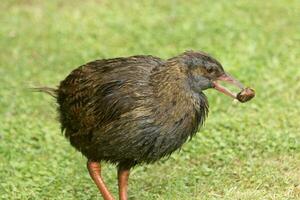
(48, 90)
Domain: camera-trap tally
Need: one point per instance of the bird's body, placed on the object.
(138, 109)
(129, 110)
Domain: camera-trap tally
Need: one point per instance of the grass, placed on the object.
(245, 151)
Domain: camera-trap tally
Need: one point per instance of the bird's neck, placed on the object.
(176, 100)
(172, 84)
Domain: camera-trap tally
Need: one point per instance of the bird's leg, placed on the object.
(123, 175)
(95, 173)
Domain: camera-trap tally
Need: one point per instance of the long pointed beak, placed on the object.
(229, 79)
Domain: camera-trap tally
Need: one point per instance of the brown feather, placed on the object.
(130, 110)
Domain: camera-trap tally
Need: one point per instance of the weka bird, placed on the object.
(138, 109)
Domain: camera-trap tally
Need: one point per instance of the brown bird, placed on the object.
(136, 110)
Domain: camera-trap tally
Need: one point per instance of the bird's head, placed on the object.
(206, 72)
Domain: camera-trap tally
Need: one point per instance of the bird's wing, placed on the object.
(103, 91)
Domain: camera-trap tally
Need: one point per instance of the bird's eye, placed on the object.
(210, 70)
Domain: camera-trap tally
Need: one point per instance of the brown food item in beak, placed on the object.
(245, 95)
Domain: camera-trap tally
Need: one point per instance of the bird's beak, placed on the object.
(229, 79)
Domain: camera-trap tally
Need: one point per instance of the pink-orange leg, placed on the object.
(95, 173)
(123, 175)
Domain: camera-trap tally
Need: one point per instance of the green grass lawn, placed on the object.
(245, 151)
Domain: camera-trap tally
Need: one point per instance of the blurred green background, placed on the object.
(245, 151)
